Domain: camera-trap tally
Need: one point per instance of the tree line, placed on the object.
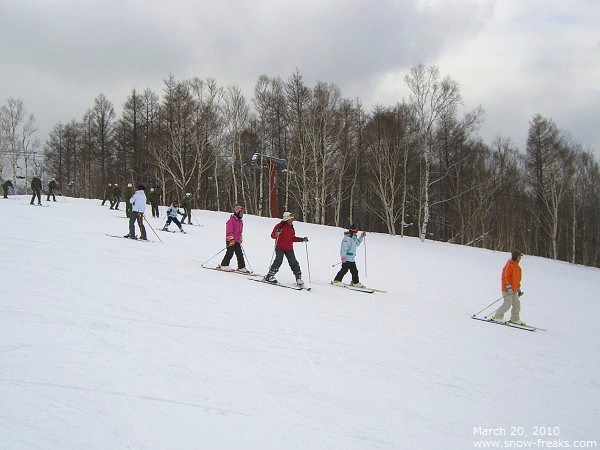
(412, 169)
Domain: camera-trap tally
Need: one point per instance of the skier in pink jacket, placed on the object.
(233, 237)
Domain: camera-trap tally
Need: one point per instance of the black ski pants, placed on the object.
(292, 261)
(239, 254)
(348, 266)
(36, 193)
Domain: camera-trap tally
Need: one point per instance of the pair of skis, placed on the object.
(127, 237)
(258, 277)
(366, 290)
(283, 285)
(299, 288)
(509, 324)
(218, 269)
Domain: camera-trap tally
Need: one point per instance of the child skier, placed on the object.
(233, 238)
(285, 236)
(172, 212)
(347, 254)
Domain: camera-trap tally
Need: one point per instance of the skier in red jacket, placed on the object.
(285, 236)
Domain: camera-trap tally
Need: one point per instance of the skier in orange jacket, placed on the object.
(511, 290)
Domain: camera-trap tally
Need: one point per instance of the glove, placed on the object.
(509, 289)
(363, 234)
(520, 292)
(231, 242)
(305, 239)
(343, 260)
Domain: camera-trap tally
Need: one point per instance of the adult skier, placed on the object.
(511, 290)
(6, 186)
(138, 206)
(116, 197)
(154, 201)
(348, 247)
(127, 193)
(285, 236)
(234, 228)
(186, 204)
(108, 193)
(36, 187)
(52, 186)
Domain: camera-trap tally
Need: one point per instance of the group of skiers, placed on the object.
(283, 233)
(114, 196)
(36, 189)
(285, 237)
(137, 203)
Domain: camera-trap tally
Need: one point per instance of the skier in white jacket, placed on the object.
(138, 206)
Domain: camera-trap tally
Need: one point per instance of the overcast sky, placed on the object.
(515, 58)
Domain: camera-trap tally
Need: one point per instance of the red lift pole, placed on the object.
(273, 164)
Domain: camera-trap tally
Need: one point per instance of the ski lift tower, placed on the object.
(272, 164)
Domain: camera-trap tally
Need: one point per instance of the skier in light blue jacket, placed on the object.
(350, 243)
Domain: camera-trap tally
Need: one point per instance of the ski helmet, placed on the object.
(238, 209)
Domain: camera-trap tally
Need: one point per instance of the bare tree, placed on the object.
(103, 122)
(349, 159)
(430, 98)
(208, 135)
(235, 116)
(272, 129)
(323, 138)
(18, 143)
(550, 167)
(173, 151)
(387, 147)
(298, 97)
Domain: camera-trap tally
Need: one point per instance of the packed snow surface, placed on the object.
(108, 343)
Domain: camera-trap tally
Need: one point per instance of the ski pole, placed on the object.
(365, 242)
(307, 262)
(494, 302)
(336, 264)
(144, 216)
(273, 254)
(214, 256)
(246, 256)
(193, 217)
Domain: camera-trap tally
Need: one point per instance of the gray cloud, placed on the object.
(514, 59)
